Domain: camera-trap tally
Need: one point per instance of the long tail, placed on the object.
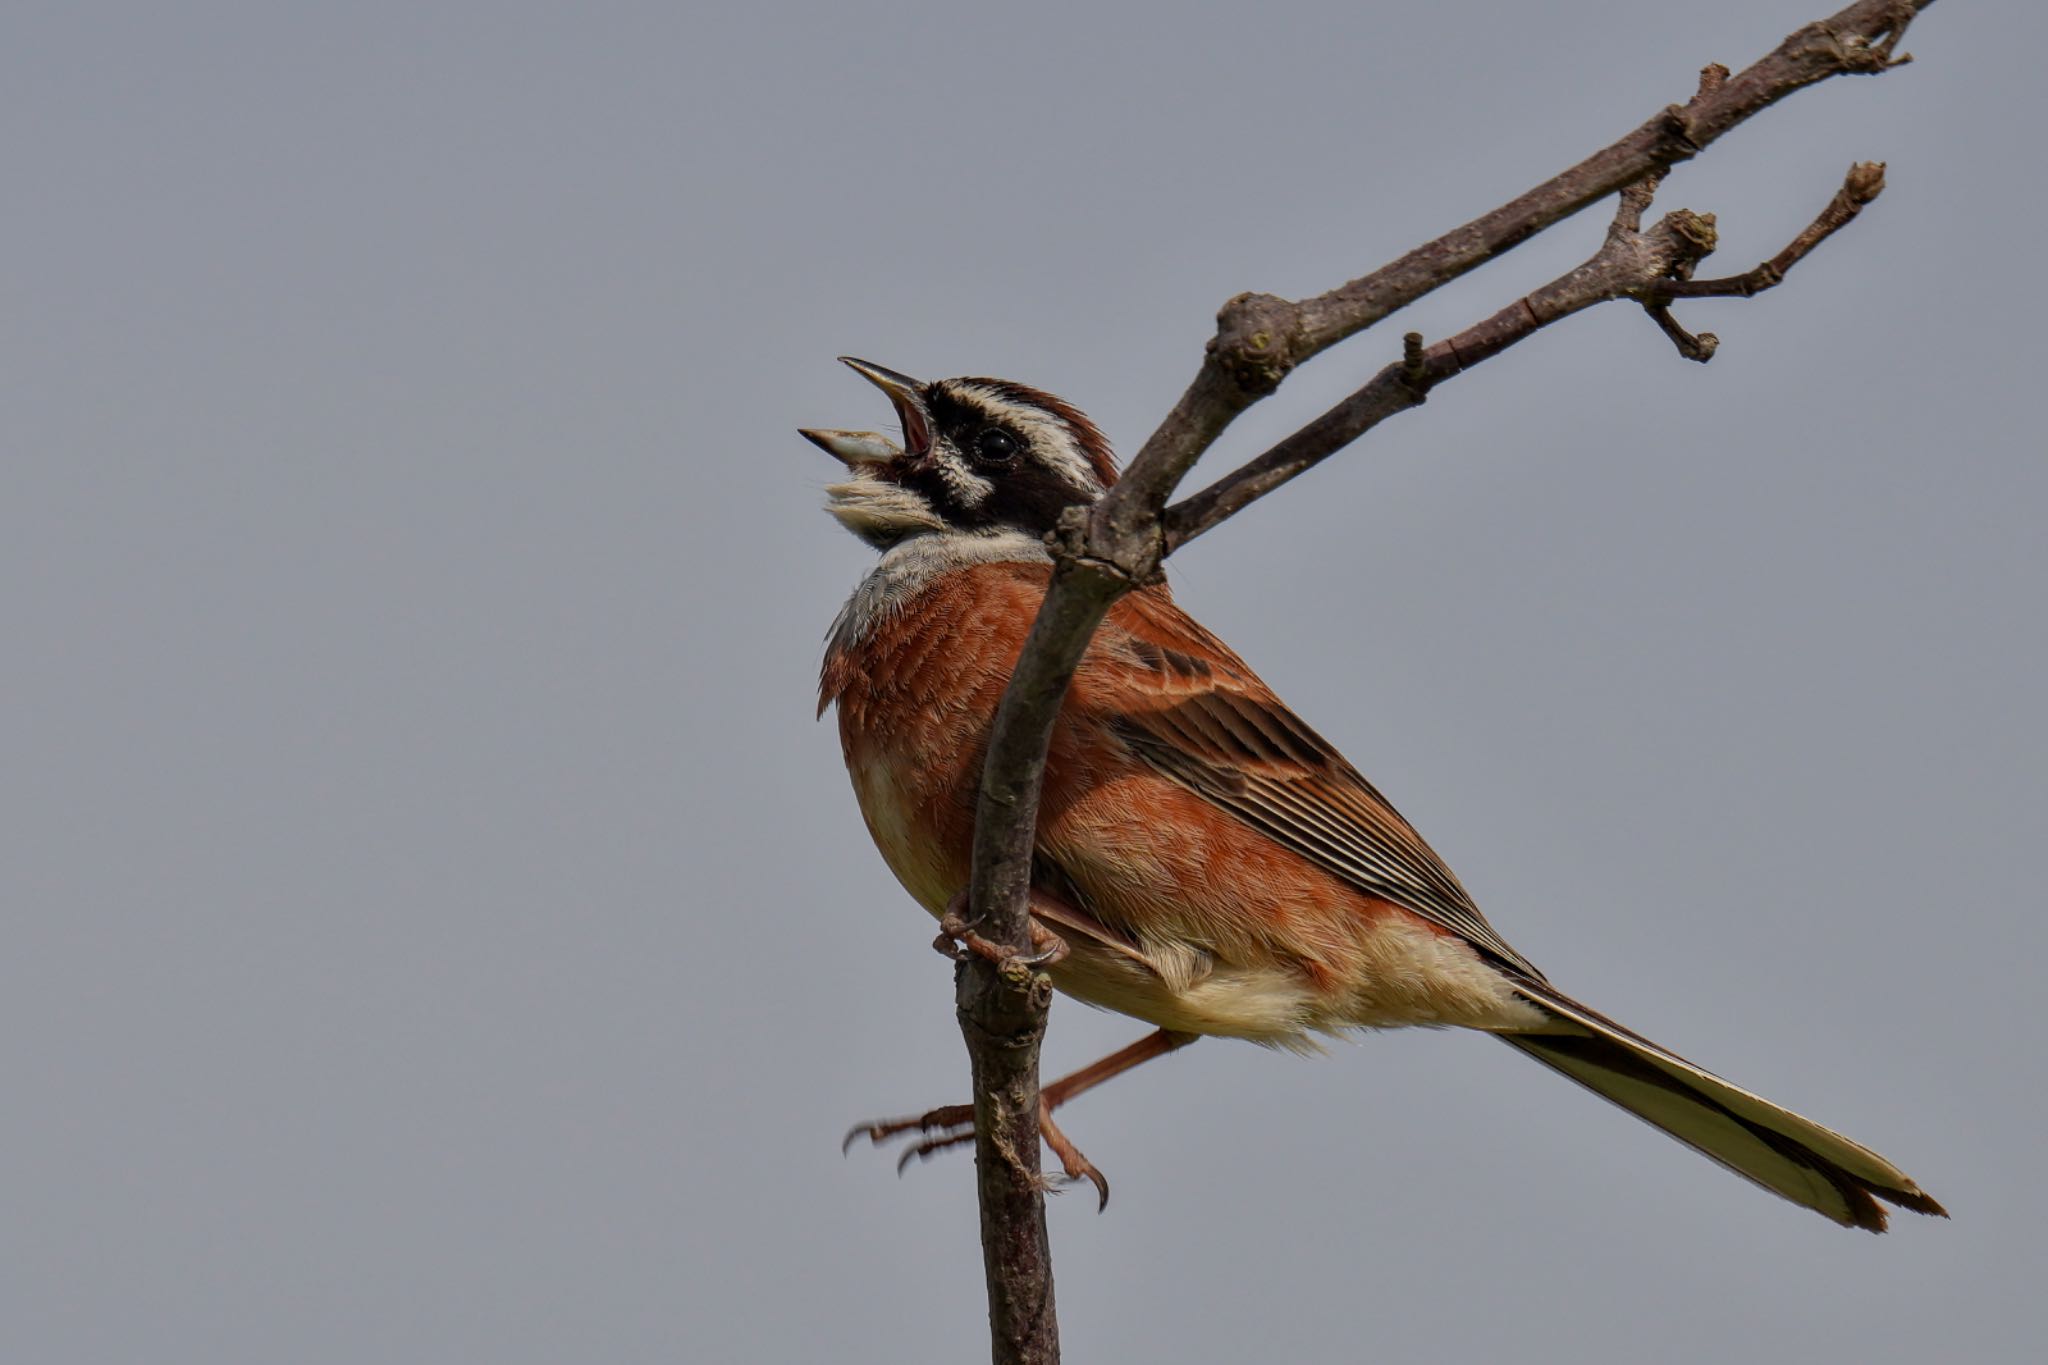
(1774, 1147)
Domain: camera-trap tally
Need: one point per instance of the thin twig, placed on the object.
(1864, 183)
(1700, 346)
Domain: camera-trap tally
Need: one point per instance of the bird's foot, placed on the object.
(958, 940)
(952, 1125)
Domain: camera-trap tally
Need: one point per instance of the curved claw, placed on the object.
(924, 1151)
(1070, 1179)
(1077, 1167)
(1052, 954)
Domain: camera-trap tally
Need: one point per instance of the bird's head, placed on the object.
(978, 455)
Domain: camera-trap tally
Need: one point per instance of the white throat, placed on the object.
(909, 568)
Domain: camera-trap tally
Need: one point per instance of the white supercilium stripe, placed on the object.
(1049, 438)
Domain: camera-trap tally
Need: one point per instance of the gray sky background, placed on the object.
(436, 930)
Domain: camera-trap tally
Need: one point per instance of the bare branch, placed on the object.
(1260, 338)
(1633, 202)
(1016, 1253)
(1864, 183)
(1650, 266)
(1105, 550)
(1002, 1010)
(1629, 264)
(1700, 348)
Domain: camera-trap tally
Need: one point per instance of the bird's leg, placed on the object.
(953, 1125)
(1075, 1083)
(957, 938)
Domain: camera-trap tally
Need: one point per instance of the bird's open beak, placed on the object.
(906, 394)
(853, 448)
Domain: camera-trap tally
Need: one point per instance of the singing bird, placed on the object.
(1205, 862)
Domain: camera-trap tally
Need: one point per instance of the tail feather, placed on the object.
(1774, 1147)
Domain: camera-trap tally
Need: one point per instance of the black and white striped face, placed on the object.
(978, 455)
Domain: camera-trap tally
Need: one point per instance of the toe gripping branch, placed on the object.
(958, 941)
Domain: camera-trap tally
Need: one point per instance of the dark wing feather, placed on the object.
(1249, 755)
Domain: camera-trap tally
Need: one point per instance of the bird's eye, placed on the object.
(996, 445)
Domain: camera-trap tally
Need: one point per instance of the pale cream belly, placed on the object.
(1408, 977)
